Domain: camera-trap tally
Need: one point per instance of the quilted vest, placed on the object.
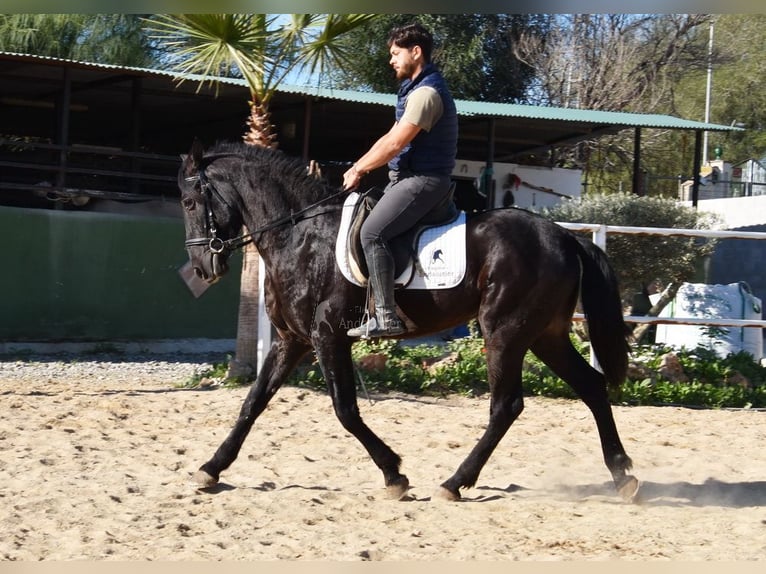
(429, 152)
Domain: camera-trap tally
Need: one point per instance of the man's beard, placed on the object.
(403, 73)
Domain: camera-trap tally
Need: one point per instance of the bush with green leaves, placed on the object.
(713, 381)
(640, 259)
(459, 367)
(736, 381)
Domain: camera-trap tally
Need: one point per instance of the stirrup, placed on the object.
(372, 329)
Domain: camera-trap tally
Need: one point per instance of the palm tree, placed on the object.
(263, 52)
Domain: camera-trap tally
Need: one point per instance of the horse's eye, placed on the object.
(188, 203)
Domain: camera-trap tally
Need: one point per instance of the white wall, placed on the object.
(532, 186)
(737, 212)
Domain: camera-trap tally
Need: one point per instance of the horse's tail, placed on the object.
(602, 307)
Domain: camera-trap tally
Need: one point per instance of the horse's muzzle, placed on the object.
(211, 273)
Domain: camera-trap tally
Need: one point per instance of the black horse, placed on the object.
(523, 279)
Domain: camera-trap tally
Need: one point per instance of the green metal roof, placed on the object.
(499, 110)
(345, 121)
(628, 119)
(464, 107)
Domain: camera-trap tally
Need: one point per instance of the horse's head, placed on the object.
(211, 218)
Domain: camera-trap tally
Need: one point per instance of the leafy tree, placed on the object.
(614, 62)
(617, 62)
(640, 260)
(257, 48)
(738, 95)
(473, 51)
(108, 38)
(738, 91)
(264, 52)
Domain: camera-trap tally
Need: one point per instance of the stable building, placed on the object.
(88, 161)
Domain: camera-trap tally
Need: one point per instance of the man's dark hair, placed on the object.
(412, 35)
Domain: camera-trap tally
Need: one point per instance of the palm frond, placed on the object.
(324, 51)
(216, 45)
(251, 45)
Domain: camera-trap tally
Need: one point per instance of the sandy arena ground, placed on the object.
(99, 470)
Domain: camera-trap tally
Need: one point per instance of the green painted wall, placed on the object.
(75, 276)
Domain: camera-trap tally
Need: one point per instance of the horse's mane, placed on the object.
(291, 171)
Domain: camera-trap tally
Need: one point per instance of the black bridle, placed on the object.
(217, 245)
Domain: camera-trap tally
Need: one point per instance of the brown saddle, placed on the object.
(403, 247)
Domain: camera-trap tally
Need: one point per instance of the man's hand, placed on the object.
(351, 178)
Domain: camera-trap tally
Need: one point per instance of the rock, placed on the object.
(373, 362)
(737, 378)
(671, 369)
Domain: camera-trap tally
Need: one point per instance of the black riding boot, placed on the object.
(385, 322)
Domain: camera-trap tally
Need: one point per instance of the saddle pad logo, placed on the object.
(441, 252)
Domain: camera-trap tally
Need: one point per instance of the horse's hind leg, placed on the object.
(335, 360)
(280, 360)
(557, 351)
(507, 401)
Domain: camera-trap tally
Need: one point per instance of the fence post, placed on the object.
(599, 236)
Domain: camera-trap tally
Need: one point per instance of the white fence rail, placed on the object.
(599, 234)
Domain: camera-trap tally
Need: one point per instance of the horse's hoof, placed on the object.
(201, 479)
(443, 493)
(628, 490)
(398, 489)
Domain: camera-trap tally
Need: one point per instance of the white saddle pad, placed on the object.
(440, 251)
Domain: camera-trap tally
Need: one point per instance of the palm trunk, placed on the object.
(244, 364)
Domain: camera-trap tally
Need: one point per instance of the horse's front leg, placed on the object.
(279, 362)
(334, 356)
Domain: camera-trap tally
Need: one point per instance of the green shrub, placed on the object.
(459, 367)
(640, 259)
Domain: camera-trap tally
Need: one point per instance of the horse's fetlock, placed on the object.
(623, 462)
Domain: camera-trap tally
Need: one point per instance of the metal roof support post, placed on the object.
(637, 189)
(62, 135)
(135, 130)
(306, 128)
(696, 167)
(489, 170)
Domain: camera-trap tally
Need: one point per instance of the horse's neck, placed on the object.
(282, 245)
(268, 202)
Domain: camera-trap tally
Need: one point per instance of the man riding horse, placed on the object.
(420, 152)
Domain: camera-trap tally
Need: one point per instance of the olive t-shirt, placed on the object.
(423, 108)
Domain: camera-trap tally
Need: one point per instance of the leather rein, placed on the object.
(217, 245)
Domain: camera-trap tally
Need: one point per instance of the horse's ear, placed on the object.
(196, 151)
(192, 161)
